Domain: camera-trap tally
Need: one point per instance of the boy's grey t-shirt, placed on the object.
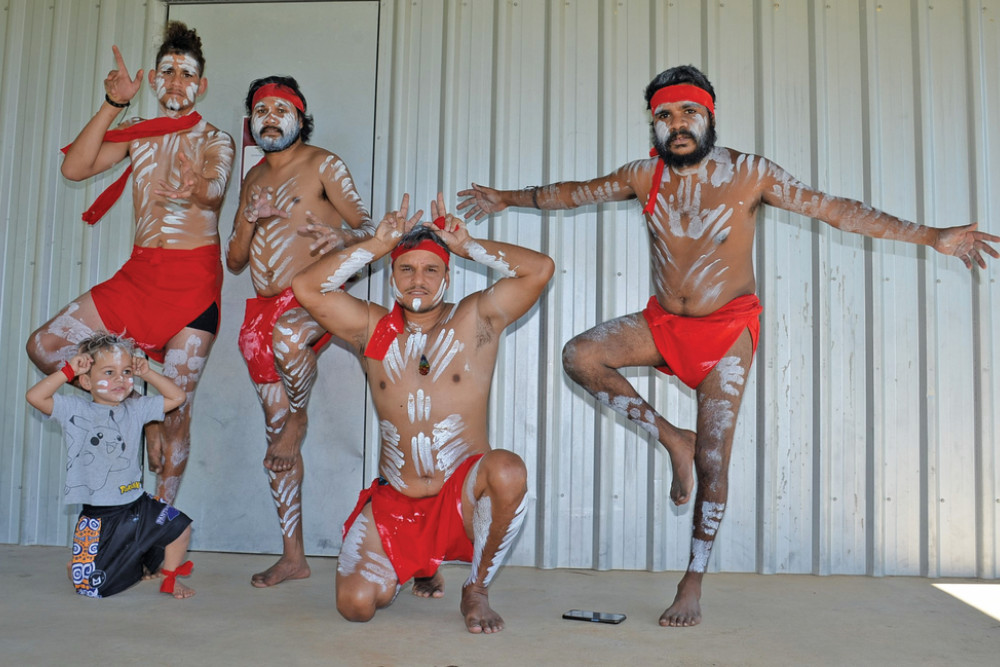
(102, 442)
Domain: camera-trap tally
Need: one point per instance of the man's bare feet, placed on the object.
(181, 591)
(285, 569)
(479, 616)
(429, 587)
(686, 609)
(283, 453)
(681, 453)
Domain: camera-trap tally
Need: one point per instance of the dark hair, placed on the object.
(417, 235)
(288, 82)
(680, 74)
(180, 40)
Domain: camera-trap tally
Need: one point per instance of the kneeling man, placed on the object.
(443, 493)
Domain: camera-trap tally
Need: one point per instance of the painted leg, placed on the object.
(284, 406)
(493, 505)
(185, 357)
(592, 360)
(295, 361)
(366, 580)
(55, 342)
(286, 491)
(719, 399)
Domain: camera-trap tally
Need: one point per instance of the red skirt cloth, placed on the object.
(418, 534)
(158, 292)
(256, 339)
(692, 346)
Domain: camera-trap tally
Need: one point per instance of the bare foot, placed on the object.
(283, 453)
(284, 569)
(479, 616)
(681, 453)
(181, 591)
(686, 609)
(429, 587)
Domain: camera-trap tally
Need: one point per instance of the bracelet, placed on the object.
(534, 196)
(107, 98)
(67, 370)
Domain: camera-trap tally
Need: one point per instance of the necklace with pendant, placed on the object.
(425, 367)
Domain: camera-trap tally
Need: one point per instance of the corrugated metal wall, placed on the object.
(867, 441)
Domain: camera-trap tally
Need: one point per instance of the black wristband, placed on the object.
(534, 196)
(118, 105)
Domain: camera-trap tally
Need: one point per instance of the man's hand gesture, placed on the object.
(395, 223)
(481, 201)
(454, 233)
(119, 86)
(967, 244)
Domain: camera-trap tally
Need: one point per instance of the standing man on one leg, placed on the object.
(281, 203)
(166, 297)
(702, 322)
(443, 492)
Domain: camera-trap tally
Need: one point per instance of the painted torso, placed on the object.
(429, 423)
(280, 249)
(174, 223)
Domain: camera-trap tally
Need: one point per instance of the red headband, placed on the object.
(278, 90)
(426, 244)
(682, 92)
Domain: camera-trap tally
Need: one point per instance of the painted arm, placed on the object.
(317, 287)
(256, 203)
(40, 395)
(338, 185)
(173, 396)
(524, 273)
(202, 176)
(89, 155)
(481, 200)
(783, 190)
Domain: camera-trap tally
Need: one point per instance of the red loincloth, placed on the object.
(256, 339)
(418, 534)
(692, 346)
(158, 292)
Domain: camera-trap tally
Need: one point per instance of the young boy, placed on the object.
(121, 529)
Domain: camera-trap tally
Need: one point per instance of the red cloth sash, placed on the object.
(390, 326)
(655, 186)
(154, 127)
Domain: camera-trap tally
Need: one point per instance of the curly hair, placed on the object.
(102, 341)
(181, 40)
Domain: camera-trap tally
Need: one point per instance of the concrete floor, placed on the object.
(749, 620)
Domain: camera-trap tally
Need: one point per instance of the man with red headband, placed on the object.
(293, 207)
(166, 297)
(442, 493)
(700, 203)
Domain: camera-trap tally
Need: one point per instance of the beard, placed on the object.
(705, 144)
(287, 137)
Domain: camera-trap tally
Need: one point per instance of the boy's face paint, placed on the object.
(177, 81)
(274, 124)
(110, 377)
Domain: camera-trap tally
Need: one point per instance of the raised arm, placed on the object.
(318, 286)
(783, 190)
(480, 200)
(89, 155)
(524, 273)
(40, 395)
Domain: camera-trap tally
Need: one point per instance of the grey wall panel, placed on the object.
(867, 441)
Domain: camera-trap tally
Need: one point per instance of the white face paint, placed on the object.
(279, 119)
(177, 80)
(111, 376)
